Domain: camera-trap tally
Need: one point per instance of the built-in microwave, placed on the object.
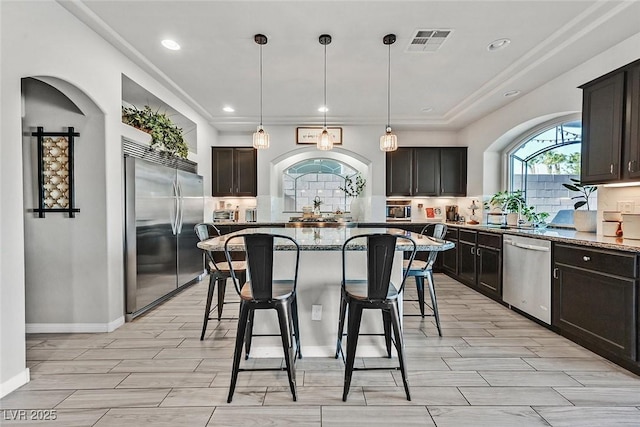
(398, 210)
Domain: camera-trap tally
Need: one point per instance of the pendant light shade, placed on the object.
(325, 140)
(388, 141)
(260, 137)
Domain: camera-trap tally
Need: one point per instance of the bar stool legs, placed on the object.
(353, 329)
(434, 301)
(213, 279)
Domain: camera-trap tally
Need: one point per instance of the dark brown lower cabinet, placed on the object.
(480, 261)
(595, 300)
(449, 259)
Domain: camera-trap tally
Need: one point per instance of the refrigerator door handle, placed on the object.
(180, 209)
(175, 213)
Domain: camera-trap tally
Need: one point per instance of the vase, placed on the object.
(356, 209)
(512, 219)
(586, 221)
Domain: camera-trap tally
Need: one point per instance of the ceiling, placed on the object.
(462, 81)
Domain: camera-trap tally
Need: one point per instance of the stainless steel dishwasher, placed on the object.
(526, 272)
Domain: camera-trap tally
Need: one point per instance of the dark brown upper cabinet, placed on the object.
(610, 127)
(234, 171)
(427, 171)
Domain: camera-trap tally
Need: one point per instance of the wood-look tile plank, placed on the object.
(47, 354)
(606, 378)
(167, 379)
(74, 367)
(513, 396)
(215, 396)
(359, 378)
(563, 351)
(26, 399)
(494, 416)
(114, 398)
(601, 396)
(568, 364)
(118, 354)
(490, 351)
(314, 396)
(483, 363)
(157, 365)
(299, 416)
(442, 378)
(368, 416)
(528, 378)
(257, 379)
(157, 417)
(596, 417)
(61, 344)
(74, 381)
(384, 396)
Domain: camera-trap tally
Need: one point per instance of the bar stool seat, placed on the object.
(357, 289)
(419, 269)
(219, 270)
(282, 289)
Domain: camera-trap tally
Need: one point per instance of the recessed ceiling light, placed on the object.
(498, 44)
(511, 93)
(427, 109)
(170, 44)
(228, 109)
(323, 109)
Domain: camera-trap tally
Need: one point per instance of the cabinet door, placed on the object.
(222, 172)
(490, 270)
(450, 257)
(597, 308)
(467, 262)
(602, 123)
(245, 172)
(426, 172)
(453, 171)
(632, 129)
(399, 165)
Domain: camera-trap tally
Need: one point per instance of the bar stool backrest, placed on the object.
(259, 248)
(435, 230)
(381, 249)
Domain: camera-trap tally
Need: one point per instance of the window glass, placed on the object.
(541, 164)
(312, 178)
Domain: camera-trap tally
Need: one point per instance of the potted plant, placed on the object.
(583, 220)
(510, 203)
(353, 187)
(165, 135)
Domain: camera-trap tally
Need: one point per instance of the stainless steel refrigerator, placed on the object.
(162, 206)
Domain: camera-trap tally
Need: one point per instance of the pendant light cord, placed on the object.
(389, 87)
(260, 85)
(325, 86)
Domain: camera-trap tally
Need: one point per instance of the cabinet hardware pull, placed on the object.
(473, 251)
(629, 166)
(555, 273)
(611, 169)
(478, 251)
(586, 258)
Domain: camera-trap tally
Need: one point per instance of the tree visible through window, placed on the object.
(541, 164)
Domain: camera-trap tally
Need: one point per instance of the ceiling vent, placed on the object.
(427, 40)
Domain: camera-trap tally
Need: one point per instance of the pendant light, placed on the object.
(325, 140)
(260, 137)
(388, 141)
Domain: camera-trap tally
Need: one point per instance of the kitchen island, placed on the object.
(319, 280)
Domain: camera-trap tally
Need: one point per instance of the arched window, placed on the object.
(311, 178)
(542, 163)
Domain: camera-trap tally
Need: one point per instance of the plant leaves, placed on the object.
(579, 204)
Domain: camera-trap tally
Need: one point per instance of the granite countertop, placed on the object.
(326, 239)
(553, 234)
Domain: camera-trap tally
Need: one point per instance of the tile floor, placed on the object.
(492, 367)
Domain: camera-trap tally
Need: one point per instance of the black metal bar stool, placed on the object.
(262, 292)
(219, 271)
(424, 268)
(375, 292)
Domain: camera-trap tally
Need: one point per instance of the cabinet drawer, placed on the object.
(490, 240)
(467, 236)
(452, 234)
(617, 263)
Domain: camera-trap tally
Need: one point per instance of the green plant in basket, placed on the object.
(354, 185)
(165, 135)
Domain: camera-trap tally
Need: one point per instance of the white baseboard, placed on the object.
(14, 382)
(53, 328)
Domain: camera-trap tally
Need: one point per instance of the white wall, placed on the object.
(43, 39)
(559, 97)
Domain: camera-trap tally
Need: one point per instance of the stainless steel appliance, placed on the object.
(223, 215)
(251, 215)
(527, 275)
(162, 206)
(398, 210)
